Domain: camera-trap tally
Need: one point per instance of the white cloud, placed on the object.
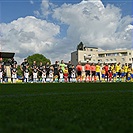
(96, 25)
(46, 8)
(88, 21)
(28, 35)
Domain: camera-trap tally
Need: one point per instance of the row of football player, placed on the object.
(92, 71)
(76, 76)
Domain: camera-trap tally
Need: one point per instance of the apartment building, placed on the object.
(93, 55)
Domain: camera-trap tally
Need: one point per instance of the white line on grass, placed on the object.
(63, 93)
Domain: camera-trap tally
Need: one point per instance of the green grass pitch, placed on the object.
(66, 108)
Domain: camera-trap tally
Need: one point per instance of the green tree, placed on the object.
(38, 58)
(35, 57)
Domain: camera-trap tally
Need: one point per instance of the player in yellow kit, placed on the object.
(125, 70)
(118, 68)
(122, 74)
(65, 74)
(131, 75)
(103, 74)
(114, 75)
(112, 66)
(98, 69)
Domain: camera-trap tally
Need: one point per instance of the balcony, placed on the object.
(87, 57)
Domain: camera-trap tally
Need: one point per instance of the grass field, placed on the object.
(66, 108)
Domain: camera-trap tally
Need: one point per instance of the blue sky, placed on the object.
(13, 9)
(53, 28)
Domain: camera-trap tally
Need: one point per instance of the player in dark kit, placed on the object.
(35, 72)
(33, 65)
(2, 64)
(56, 69)
(43, 75)
(47, 67)
(23, 66)
(14, 74)
(40, 69)
(13, 63)
(69, 66)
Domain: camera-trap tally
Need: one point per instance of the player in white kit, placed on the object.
(35, 72)
(14, 74)
(61, 75)
(43, 75)
(26, 75)
(1, 74)
(73, 74)
(51, 74)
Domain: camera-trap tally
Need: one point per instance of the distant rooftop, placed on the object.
(6, 55)
(91, 47)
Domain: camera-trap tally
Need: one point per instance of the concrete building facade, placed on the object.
(93, 55)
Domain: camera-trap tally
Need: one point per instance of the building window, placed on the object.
(124, 54)
(129, 53)
(123, 59)
(107, 60)
(116, 54)
(111, 59)
(99, 60)
(101, 55)
(91, 49)
(129, 59)
(114, 59)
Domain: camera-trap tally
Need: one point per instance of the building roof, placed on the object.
(6, 55)
(91, 47)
